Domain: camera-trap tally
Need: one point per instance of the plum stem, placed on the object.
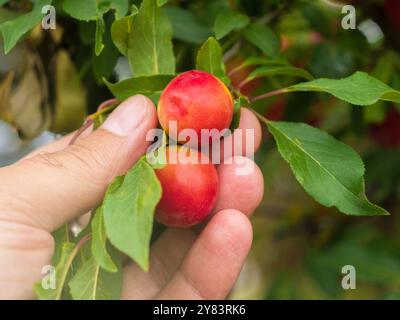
(103, 108)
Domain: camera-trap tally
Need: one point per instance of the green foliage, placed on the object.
(81, 10)
(99, 243)
(128, 209)
(328, 170)
(150, 49)
(185, 25)
(14, 29)
(93, 283)
(264, 38)
(68, 252)
(146, 85)
(359, 89)
(277, 70)
(121, 30)
(228, 21)
(209, 59)
(160, 39)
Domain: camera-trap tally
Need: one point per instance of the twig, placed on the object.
(103, 108)
(270, 94)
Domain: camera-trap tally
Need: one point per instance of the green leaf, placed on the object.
(14, 29)
(239, 103)
(277, 70)
(89, 10)
(129, 207)
(99, 243)
(100, 28)
(359, 89)
(82, 10)
(121, 7)
(91, 282)
(329, 170)
(139, 85)
(227, 21)
(185, 25)
(259, 61)
(150, 49)
(68, 253)
(160, 3)
(263, 38)
(104, 64)
(209, 59)
(121, 30)
(157, 156)
(60, 236)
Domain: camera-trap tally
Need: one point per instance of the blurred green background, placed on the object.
(299, 246)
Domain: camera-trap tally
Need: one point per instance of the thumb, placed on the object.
(50, 189)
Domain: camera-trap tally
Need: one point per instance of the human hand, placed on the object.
(59, 183)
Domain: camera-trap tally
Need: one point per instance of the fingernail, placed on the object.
(124, 120)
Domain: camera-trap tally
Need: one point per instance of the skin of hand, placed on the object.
(59, 183)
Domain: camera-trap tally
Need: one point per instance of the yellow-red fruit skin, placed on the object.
(195, 100)
(190, 190)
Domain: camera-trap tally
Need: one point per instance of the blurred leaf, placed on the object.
(150, 49)
(104, 64)
(68, 253)
(121, 7)
(82, 10)
(283, 287)
(14, 29)
(392, 296)
(5, 93)
(185, 25)
(387, 66)
(277, 70)
(331, 60)
(139, 85)
(259, 61)
(121, 30)
(100, 29)
(227, 21)
(238, 104)
(99, 243)
(209, 59)
(160, 3)
(370, 265)
(61, 235)
(129, 206)
(316, 17)
(358, 89)
(70, 95)
(29, 111)
(263, 38)
(93, 9)
(383, 179)
(329, 170)
(93, 283)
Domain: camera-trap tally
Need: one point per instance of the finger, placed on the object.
(59, 144)
(241, 187)
(244, 141)
(214, 262)
(166, 255)
(52, 188)
(171, 247)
